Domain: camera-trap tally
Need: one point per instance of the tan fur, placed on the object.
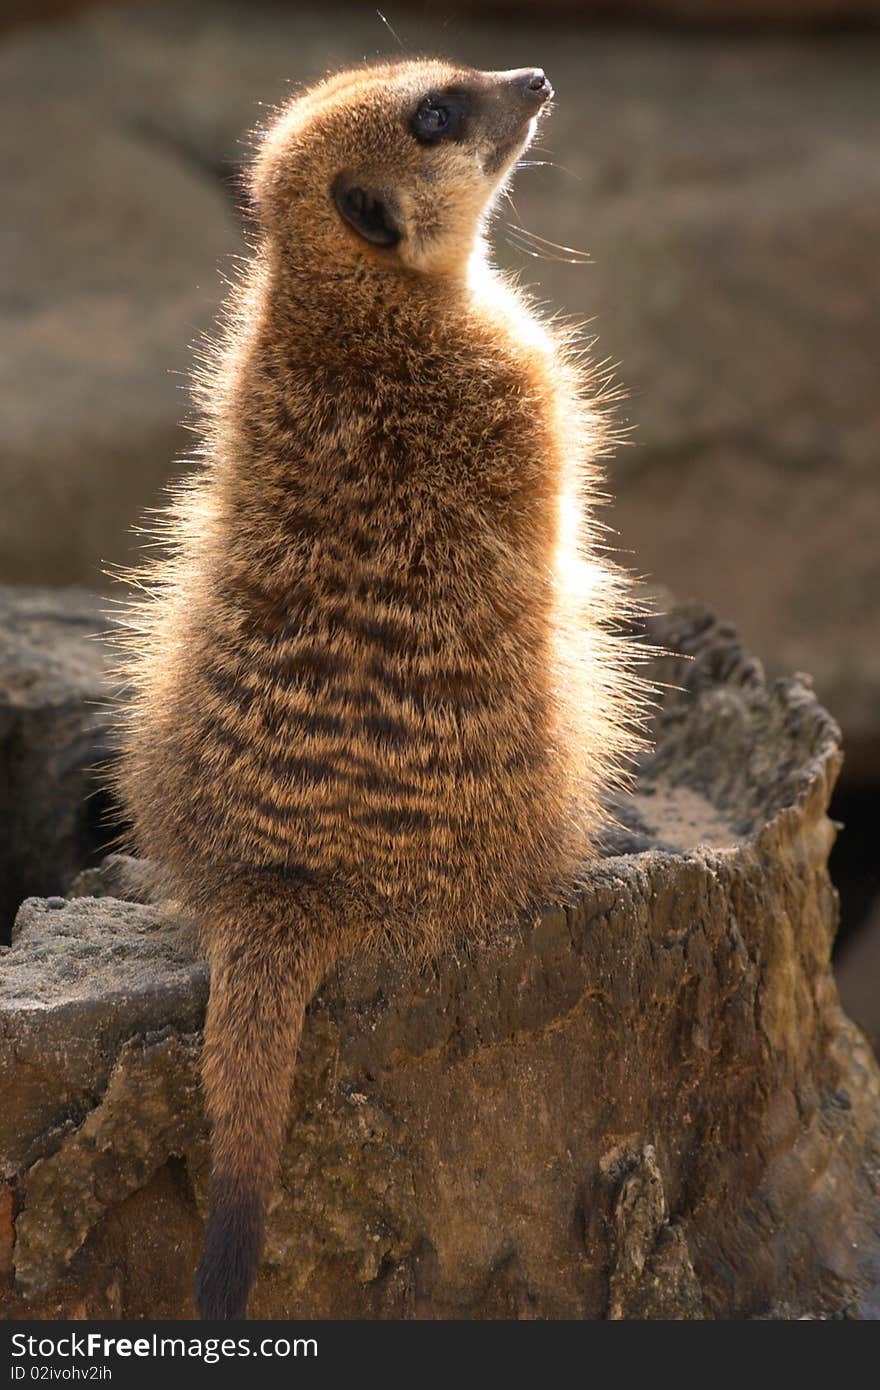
(378, 694)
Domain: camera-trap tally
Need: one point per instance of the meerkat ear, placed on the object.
(367, 211)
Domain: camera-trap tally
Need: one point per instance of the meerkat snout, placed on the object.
(532, 83)
(539, 83)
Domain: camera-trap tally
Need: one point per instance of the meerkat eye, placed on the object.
(431, 120)
(438, 118)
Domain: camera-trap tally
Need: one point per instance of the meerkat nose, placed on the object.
(528, 86)
(535, 86)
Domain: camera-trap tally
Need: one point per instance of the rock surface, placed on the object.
(644, 1104)
(728, 191)
(53, 731)
(77, 984)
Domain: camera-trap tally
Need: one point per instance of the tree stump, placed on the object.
(644, 1104)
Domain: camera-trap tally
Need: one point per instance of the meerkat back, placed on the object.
(378, 695)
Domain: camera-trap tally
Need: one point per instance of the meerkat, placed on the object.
(378, 691)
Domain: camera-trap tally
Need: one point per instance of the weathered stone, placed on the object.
(53, 731)
(80, 980)
(145, 1116)
(117, 876)
(619, 1109)
(650, 1271)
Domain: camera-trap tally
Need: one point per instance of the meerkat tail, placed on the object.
(262, 977)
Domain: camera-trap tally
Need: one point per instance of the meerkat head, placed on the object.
(396, 164)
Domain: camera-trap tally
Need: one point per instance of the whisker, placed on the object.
(554, 245)
(540, 248)
(548, 164)
(518, 246)
(393, 32)
(540, 254)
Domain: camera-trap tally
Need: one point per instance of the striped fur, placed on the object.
(378, 694)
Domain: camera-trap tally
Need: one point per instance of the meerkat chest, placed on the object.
(391, 688)
(381, 664)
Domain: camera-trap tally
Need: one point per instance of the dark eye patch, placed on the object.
(440, 116)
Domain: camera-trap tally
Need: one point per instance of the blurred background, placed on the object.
(718, 159)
